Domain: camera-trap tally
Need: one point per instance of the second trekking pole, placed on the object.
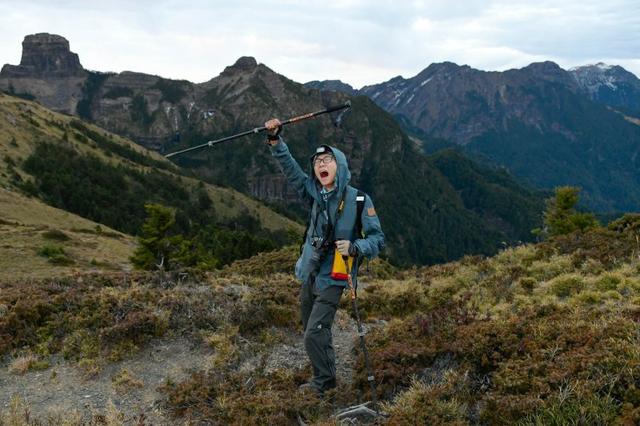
(361, 331)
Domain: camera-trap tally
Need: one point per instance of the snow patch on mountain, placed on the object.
(426, 81)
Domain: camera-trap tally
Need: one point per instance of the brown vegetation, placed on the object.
(539, 334)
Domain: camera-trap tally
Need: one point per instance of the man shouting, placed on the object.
(343, 227)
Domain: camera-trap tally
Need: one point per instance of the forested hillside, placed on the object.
(84, 170)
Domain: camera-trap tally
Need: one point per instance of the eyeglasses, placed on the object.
(324, 160)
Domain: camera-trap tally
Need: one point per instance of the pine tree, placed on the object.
(155, 244)
(561, 217)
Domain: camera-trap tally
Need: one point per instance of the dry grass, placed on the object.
(223, 341)
(124, 382)
(537, 334)
(24, 363)
(19, 414)
(23, 232)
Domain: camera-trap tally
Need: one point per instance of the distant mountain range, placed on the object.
(544, 124)
(429, 215)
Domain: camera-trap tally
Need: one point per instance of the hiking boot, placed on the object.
(331, 384)
(310, 388)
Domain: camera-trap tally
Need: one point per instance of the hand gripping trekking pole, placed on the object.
(361, 332)
(262, 129)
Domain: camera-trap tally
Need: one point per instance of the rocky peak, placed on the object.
(332, 85)
(243, 65)
(600, 73)
(548, 71)
(44, 56)
(441, 68)
(609, 84)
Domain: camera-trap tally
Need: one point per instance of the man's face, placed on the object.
(325, 167)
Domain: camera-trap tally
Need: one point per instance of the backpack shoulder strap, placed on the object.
(312, 206)
(360, 198)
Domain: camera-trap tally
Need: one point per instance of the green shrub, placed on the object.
(589, 297)
(592, 410)
(608, 282)
(527, 283)
(55, 255)
(56, 235)
(172, 90)
(566, 285)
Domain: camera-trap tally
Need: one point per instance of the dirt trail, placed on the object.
(291, 354)
(63, 388)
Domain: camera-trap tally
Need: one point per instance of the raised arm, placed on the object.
(296, 177)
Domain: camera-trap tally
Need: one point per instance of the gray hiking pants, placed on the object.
(318, 308)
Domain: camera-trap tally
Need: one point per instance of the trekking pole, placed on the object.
(262, 129)
(361, 332)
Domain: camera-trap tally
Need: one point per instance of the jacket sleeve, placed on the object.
(292, 170)
(373, 242)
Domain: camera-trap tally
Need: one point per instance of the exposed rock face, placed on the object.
(459, 103)
(243, 64)
(610, 84)
(45, 56)
(538, 121)
(333, 85)
(48, 71)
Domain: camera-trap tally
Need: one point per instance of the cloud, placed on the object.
(361, 42)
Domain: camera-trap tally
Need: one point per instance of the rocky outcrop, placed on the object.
(332, 85)
(45, 56)
(48, 72)
(242, 65)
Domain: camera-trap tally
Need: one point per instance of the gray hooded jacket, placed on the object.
(324, 211)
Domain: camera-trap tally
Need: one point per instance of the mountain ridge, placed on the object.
(168, 115)
(546, 125)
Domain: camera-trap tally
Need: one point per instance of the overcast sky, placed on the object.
(357, 41)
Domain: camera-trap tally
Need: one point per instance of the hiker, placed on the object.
(333, 232)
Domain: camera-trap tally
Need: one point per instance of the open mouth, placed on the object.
(324, 174)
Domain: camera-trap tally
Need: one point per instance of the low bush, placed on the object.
(269, 399)
(55, 235)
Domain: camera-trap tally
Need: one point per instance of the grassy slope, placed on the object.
(24, 223)
(24, 220)
(24, 123)
(543, 334)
